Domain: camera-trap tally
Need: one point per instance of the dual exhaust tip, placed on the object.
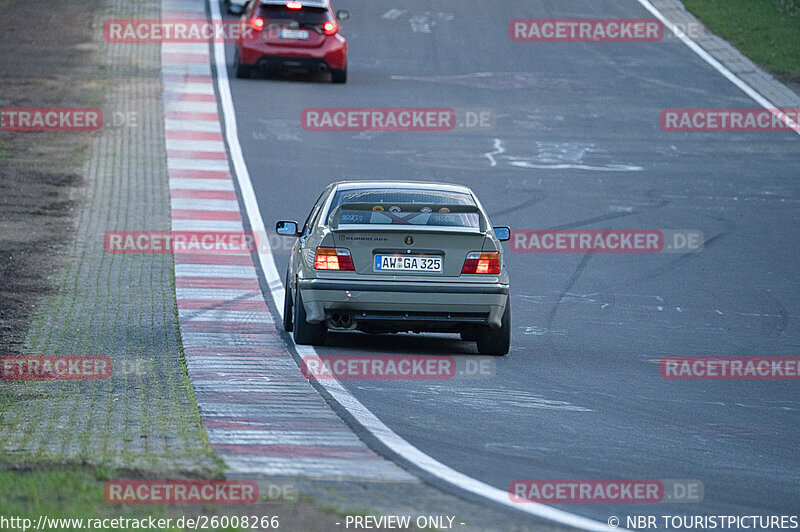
(341, 321)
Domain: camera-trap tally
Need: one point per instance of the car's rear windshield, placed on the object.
(306, 15)
(405, 207)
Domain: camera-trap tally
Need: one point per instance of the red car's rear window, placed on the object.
(304, 16)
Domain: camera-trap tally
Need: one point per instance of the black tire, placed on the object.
(242, 70)
(496, 342)
(306, 333)
(339, 75)
(287, 306)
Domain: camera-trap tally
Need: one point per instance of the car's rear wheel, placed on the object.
(496, 341)
(287, 306)
(339, 75)
(242, 70)
(306, 333)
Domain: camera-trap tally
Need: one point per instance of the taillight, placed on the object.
(330, 28)
(333, 259)
(257, 23)
(294, 5)
(477, 262)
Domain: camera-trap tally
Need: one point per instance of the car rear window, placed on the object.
(391, 207)
(304, 16)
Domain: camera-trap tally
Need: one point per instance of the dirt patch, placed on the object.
(40, 172)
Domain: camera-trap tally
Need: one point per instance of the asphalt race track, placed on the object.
(575, 143)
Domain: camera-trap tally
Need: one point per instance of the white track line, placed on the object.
(722, 69)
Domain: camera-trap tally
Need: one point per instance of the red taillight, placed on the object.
(294, 5)
(257, 23)
(333, 259)
(477, 262)
(330, 28)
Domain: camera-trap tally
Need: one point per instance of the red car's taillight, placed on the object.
(330, 28)
(257, 23)
(477, 262)
(333, 259)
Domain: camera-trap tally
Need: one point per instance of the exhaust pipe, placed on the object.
(341, 321)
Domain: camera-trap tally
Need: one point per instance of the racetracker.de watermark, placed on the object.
(397, 119)
(180, 492)
(378, 119)
(397, 367)
(174, 31)
(605, 491)
(585, 30)
(606, 241)
(730, 368)
(730, 120)
(55, 367)
(378, 367)
(168, 242)
(50, 119)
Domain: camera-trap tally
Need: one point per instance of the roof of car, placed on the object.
(411, 185)
(306, 3)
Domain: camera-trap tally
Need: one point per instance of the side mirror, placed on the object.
(286, 228)
(342, 14)
(502, 233)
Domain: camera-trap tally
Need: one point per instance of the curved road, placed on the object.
(576, 143)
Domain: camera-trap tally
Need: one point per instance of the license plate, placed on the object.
(294, 34)
(408, 263)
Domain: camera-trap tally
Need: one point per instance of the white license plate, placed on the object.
(294, 34)
(408, 263)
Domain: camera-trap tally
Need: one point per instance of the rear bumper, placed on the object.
(269, 63)
(439, 302)
(332, 54)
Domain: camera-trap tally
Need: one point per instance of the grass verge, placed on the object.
(68, 492)
(766, 31)
(75, 492)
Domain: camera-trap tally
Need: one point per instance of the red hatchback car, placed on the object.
(293, 36)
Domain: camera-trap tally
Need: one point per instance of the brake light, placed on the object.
(477, 262)
(333, 259)
(330, 28)
(294, 5)
(257, 23)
